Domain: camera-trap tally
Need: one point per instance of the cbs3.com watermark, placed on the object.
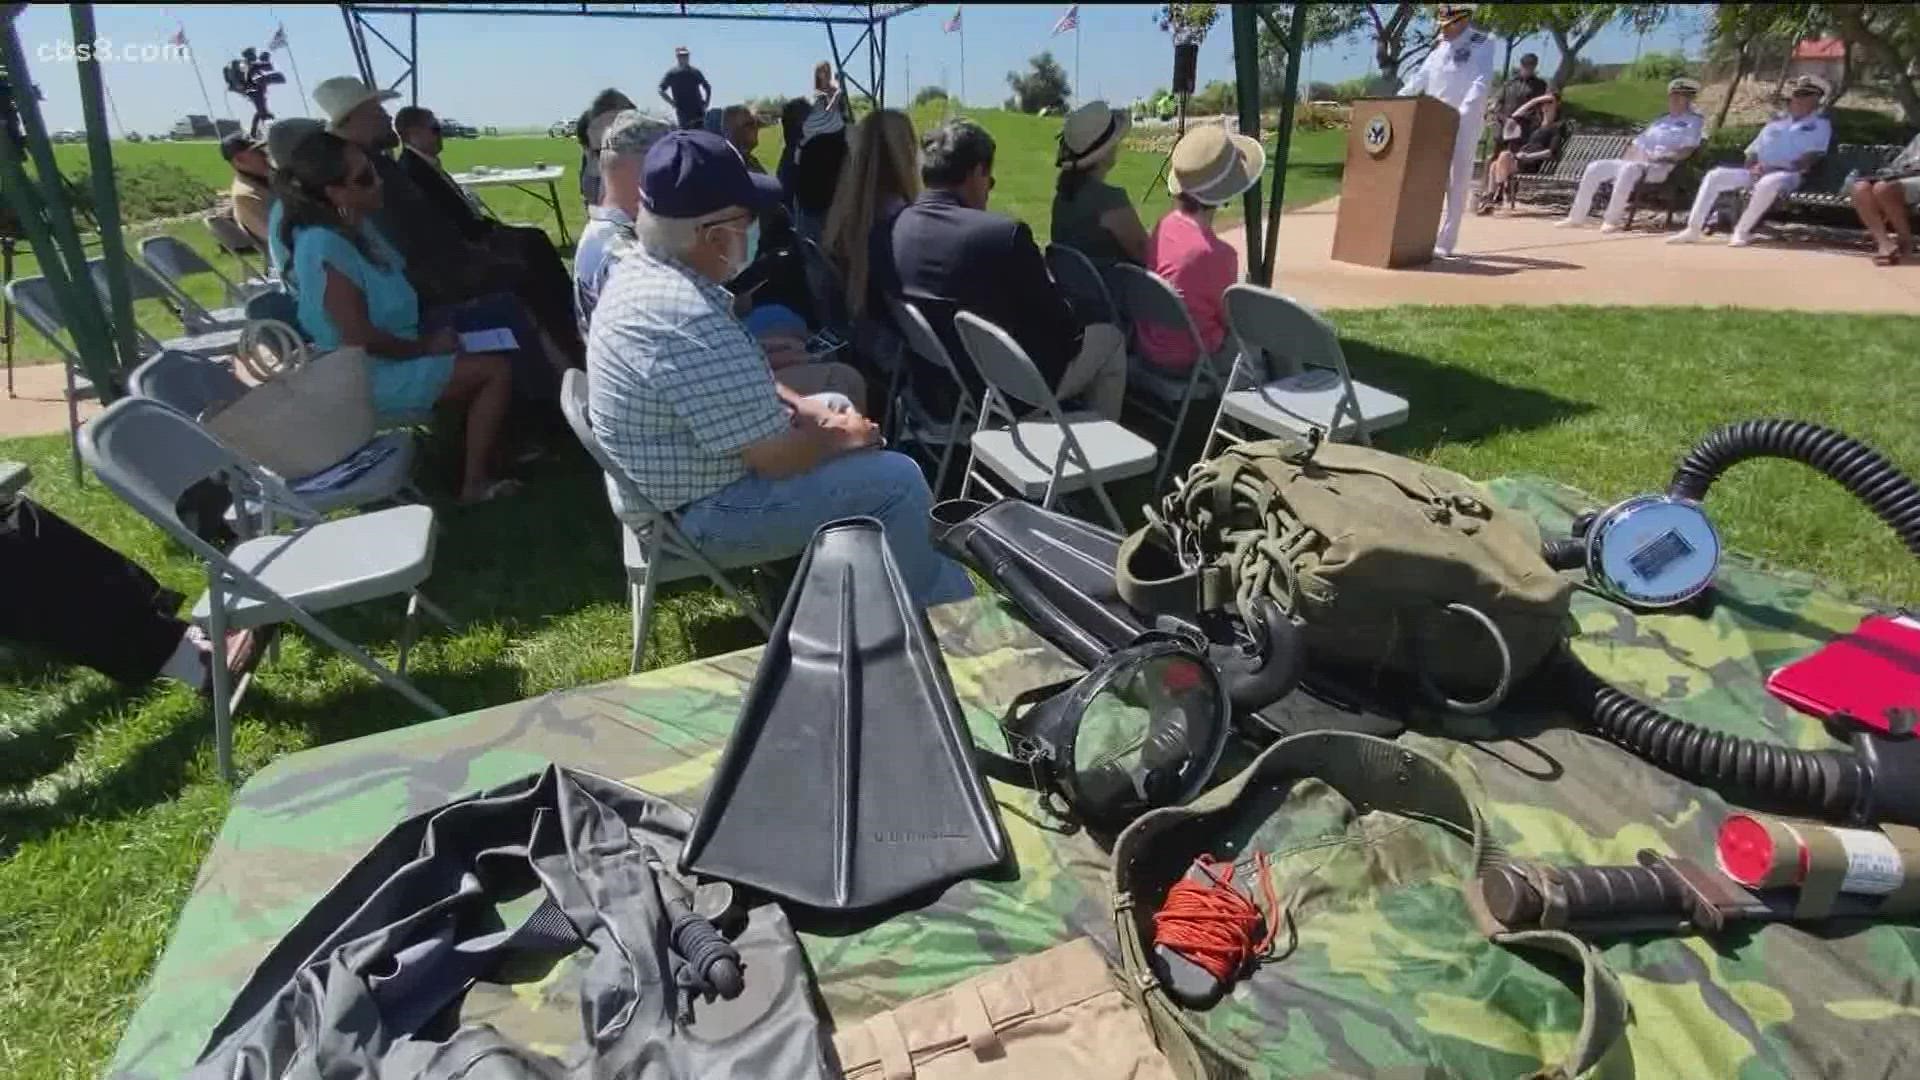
(108, 51)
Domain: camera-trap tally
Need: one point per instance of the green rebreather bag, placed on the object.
(1386, 563)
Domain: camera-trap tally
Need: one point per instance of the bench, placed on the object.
(1564, 174)
(1825, 186)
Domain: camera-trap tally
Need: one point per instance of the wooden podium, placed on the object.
(1399, 150)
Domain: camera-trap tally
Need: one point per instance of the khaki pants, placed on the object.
(826, 376)
(1099, 373)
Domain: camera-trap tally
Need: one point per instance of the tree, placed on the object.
(1740, 32)
(1572, 26)
(1188, 23)
(1888, 37)
(1216, 98)
(1326, 23)
(930, 93)
(1045, 86)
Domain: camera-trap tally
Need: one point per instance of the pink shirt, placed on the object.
(1199, 266)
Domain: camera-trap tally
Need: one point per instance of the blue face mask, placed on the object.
(753, 241)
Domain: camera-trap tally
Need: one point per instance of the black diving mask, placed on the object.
(1145, 728)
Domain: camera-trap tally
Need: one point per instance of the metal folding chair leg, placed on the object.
(642, 596)
(222, 690)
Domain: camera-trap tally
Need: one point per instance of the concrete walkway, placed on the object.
(1523, 259)
(39, 405)
(1520, 259)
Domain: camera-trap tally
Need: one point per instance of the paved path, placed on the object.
(1523, 259)
(1509, 260)
(38, 406)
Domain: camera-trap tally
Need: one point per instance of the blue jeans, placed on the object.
(756, 516)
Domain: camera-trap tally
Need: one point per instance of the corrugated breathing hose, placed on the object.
(1858, 786)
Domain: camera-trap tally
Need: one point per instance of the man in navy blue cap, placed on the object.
(684, 401)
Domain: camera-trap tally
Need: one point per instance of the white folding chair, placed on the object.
(1308, 384)
(194, 385)
(914, 421)
(1054, 455)
(149, 455)
(238, 244)
(210, 339)
(1146, 296)
(33, 298)
(1081, 281)
(652, 547)
(175, 264)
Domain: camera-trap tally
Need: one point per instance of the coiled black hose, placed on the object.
(1834, 784)
(1830, 783)
(1859, 468)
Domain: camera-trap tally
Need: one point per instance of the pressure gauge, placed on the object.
(1652, 551)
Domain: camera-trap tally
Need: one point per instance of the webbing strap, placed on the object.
(1374, 774)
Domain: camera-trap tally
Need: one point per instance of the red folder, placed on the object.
(1871, 674)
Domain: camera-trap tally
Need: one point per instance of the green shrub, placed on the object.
(930, 93)
(1664, 66)
(153, 189)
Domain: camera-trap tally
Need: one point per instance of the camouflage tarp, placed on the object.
(1388, 974)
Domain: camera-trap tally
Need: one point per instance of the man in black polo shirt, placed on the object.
(684, 88)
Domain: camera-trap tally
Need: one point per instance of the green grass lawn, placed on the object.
(1626, 104)
(1024, 171)
(108, 798)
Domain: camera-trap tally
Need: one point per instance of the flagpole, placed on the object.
(193, 57)
(1079, 93)
(281, 29)
(963, 64)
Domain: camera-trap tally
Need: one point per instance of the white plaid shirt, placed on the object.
(602, 239)
(677, 387)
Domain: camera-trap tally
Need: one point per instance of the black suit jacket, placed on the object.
(440, 190)
(973, 260)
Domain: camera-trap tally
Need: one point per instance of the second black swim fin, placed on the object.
(849, 779)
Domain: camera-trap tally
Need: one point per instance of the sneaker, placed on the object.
(1684, 236)
(1740, 241)
(1568, 223)
(1443, 254)
(1611, 227)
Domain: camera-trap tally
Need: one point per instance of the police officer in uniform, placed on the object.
(1651, 156)
(1458, 71)
(1777, 159)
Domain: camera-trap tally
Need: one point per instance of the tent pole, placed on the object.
(1283, 140)
(1246, 67)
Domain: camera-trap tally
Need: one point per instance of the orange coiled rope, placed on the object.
(1212, 924)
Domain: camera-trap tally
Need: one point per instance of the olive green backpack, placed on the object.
(1385, 563)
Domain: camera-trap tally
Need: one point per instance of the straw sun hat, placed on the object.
(1211, 166)
(1091, 134)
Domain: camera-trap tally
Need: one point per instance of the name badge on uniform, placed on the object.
(1804, 126)
(1460, 54)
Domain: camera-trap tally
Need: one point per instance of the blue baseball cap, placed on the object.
(690, 174)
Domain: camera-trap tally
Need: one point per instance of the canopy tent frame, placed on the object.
(870, 19)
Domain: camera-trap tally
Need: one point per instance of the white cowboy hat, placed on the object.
(1091, 134)
(340, 95)
(1211, 166)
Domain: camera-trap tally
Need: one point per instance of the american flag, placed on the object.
(179, 36)
(953, 24)
(1069, 21)
(279, 39)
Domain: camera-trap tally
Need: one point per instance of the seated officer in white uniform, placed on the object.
(1458, 72)
(1652, 156)
(1777, 158)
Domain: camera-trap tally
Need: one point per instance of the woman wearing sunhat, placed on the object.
(1209, 168)
(1089, 214)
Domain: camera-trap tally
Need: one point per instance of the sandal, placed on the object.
(1887, 258)
(496, 490)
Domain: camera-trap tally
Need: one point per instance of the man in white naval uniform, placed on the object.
(1777, 158)
(1458, 71)
(1652, 156)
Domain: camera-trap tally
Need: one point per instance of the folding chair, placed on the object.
(238, 244)
(174, 263)
(652, 547)
(143, 285)
(1057, 455)
(33, 298)
(1147, 296)
(1081, 280)
(149, 455)
(826, 288)
(1282, 337)
(193, 385)
(915, 423)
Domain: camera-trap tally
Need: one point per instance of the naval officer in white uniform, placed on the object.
(1651, 156)
(1777, 159)
(1458, 71)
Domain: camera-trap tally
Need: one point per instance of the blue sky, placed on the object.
(516, 71)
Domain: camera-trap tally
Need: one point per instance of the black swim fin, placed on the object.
(849, 780)
(1058, 569)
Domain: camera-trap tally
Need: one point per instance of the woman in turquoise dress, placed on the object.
(353, 291)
